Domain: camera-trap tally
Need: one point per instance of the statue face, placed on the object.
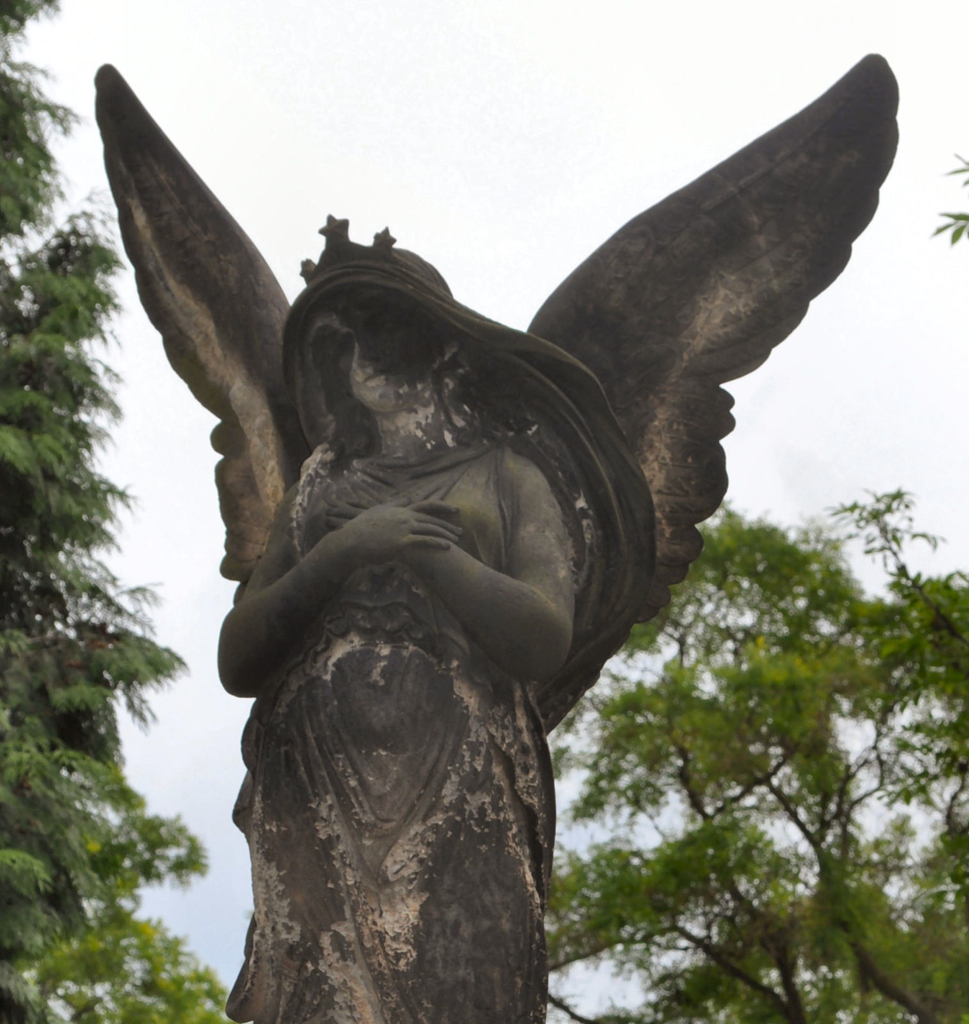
(383, 392)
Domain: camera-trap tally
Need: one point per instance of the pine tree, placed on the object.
(75, 647)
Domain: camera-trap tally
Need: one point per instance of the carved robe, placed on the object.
(399, 805)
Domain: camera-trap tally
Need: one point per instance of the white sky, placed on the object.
(504, 141)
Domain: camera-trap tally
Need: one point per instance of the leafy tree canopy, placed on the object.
(75, 841)
(782, 764)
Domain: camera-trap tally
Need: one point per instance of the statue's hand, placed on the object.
(385, 533)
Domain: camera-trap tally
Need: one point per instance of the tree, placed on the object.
(120, 969)
(783, 764)
(129, 971)
(955, 224)
(75, 840)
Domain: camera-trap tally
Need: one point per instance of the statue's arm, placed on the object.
(286, 593)
(523, 619)
(281, 599)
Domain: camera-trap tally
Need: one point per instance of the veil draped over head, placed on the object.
(543, 402)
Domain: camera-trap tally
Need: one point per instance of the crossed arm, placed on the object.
(522, 620)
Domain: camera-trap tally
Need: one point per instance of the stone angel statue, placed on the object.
(443, 527)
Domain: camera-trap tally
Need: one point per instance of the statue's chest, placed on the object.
(472, 487)
(481, 518)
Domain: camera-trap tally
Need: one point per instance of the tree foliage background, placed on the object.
(782, 764)
(76, 841)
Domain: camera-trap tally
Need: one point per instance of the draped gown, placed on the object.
(399, 803)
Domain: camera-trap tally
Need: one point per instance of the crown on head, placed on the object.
(339, 248)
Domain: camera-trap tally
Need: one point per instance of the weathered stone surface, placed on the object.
(472, 535)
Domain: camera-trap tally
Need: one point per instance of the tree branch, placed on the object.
(888, 988)
(788, 980)
(567, 961)
(686, 781)
(953, 826)
(565, 1008)
(941, 622)
(707, 947)
(759, 780)
(792, 812)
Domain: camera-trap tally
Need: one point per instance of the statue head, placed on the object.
(367, 336)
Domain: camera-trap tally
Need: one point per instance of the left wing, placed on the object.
(697, 291)
(220, 312)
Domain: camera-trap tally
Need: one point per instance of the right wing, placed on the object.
(697, 290)
(220, 312)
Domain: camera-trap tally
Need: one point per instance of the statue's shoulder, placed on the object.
(522, 482)
(515, 467)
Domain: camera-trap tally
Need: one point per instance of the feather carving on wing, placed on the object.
(688, 295)
(697, 290)
(220, 312)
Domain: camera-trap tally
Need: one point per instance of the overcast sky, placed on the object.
(504, 141)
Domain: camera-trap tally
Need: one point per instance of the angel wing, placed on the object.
(697, 291)
(220, 312)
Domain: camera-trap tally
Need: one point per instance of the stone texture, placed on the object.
(442, 528)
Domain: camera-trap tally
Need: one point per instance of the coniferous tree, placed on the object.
(75, 647)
